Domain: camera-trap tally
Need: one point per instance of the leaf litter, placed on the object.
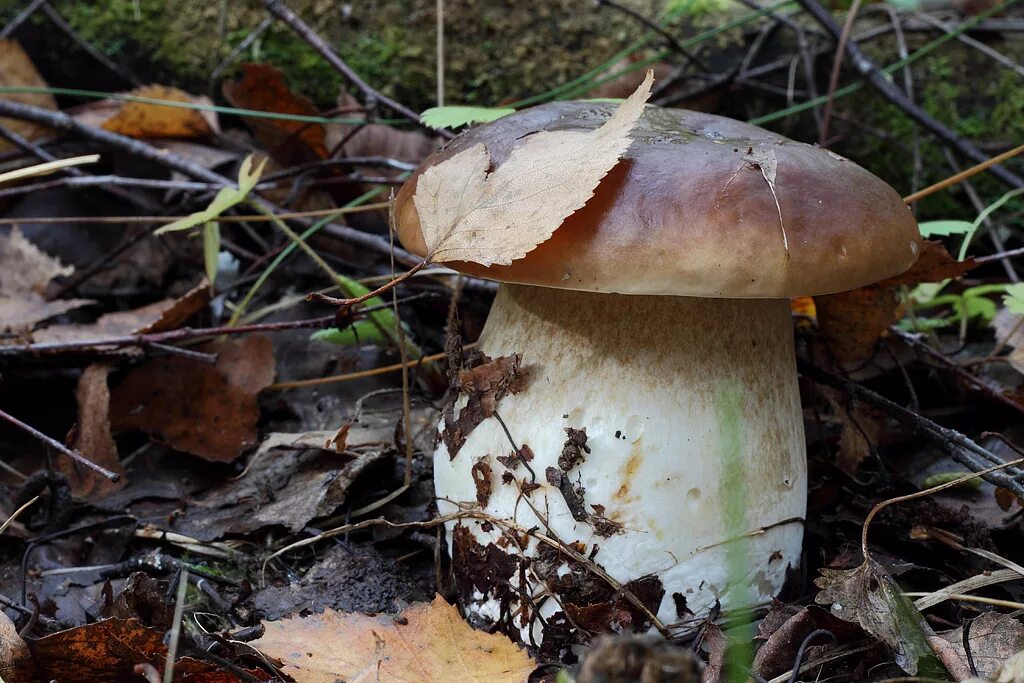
(187, 431)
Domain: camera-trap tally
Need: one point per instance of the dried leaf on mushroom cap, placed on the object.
(468, 214)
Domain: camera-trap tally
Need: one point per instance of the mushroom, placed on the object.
(659, 395)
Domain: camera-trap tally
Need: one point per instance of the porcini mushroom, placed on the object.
(659, 394)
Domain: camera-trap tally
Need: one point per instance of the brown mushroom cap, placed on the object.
(687, 211)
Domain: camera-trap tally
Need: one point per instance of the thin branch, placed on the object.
(878, 79)
(17, 21)
(670, 39)
(963, 175)
(64, 26)
(962, 449)
(59, 447)
(334, 301)
(65, 123)
(282, 12)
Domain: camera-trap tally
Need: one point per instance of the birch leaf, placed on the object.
(467, 214)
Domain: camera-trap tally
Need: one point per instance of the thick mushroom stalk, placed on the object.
(688, 488)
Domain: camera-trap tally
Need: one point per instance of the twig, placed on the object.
(179, 613)
(962, 449)
(162, 339)
(977, 45)
(349, 376)
(17, 21)
(963, 175)
(650, 25)
(279, 10)
(242, 218)
(921, 494)
(391, 284)
(878, 79)
(837, 66)
(64, 26)
(978, 383)
(63, 122)
(61, 448)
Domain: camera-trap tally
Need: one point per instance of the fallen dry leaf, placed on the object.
(160, 316)
(145, 120)
(869, 596)
(861, 429)
(25, 271)
(852, 322)
(468, 214)
(109, 650)
(92, 437)
(17, 70)
(204, 409)
(290, 479)
(428, 643)
(994, 638)
(263, 88)
(376, 139)
(784, 630)
(16, 664)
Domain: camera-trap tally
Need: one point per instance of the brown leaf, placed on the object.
(193, 406)
(861, 429)
(93, 437)
(486, 384)
(25, 271)
(470, 213)
(145, 120)
(428, 643)
(161, 316)
(994, 638)
(16, 664)
(935, 264)
(628, 658)
(108, 650)
(262, 87)
(17, 70)
(852, 322)
(869, 596)
(289, 480)
(375, 139)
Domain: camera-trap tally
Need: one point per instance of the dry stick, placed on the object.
(65, 123)
(180, 334)
(650, 25)
(17, 21)
(64, 26)
(962, 449)
(349, 376)
(279, 10)
(979, 383)
(395, 280)
(241, 218)
(837, 66)
(878, 79)
(963, 175)
(61, 448)
(926, 492)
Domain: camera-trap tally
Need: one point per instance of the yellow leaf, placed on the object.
(18, 71)
(151, 120)
(467, 214)
(430, 643)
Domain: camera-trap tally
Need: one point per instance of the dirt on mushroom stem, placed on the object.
(643, 376)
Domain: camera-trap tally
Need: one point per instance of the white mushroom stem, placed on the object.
(693, 421)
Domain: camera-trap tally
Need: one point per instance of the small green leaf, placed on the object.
(211, 248)
(979, 307)
(1014, 298)
(453, 117)
(225, 199)
(944, 228)
(359, 333)
(945, 477)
